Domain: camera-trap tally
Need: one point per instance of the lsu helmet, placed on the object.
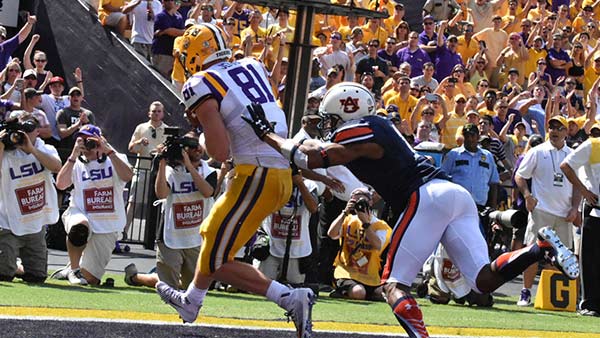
(346, 101)
(202, 43)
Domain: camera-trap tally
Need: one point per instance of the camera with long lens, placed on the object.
(176, 143)
(362, 205)
(15, 132)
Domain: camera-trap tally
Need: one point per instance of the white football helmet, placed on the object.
(346, 101)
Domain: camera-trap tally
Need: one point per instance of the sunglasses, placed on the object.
(373, 45)
(481, 62)
(542, 63)
(570, 83)
(206, 8)
(335, 37)
(40, 60)
(428, 23)
(484, 85)
(558, 127)
(428, 112)
(153, 130)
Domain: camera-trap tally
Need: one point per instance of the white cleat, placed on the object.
(563, 258)
(299, 308)
(188, 312)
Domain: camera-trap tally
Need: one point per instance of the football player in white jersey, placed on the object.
(216, 95)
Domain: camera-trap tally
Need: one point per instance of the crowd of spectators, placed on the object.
(480, 78)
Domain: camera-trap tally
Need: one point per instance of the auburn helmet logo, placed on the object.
(350, 105)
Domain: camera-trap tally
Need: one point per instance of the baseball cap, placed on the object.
(381, 112)
(75, 90)
(496, 17)
(31, 92)
(314, 96)
(189, 22)
(332, 71)
(391, 108)
(29, 72)
(285, 60)
(356, 30)
(88, 130)
(513, 70)
(472, 112)
(56, 79)
(311, 114)
(428, 17)
(470, 128)
(452, 38)
(557, 35)
(596, 126)
(560, 119)
(460, 96)
(521, 123)
(484, 138)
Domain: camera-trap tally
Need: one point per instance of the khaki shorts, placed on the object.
(30, 248)
(176, 266)
(99, 247)
(163, 63)
(271, 267)
(539, 219)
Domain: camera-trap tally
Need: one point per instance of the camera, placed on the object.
(15, 132)
(176, 143)
(362, 205)
(90, 144)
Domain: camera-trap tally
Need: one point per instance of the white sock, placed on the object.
(275, 291)
(195, 295)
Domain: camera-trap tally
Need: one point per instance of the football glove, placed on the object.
(258, 120)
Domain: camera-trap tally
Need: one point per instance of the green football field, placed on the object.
(503, 319)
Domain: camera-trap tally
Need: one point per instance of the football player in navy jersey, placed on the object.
(432, 209)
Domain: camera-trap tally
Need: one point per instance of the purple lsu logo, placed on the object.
(97, 174)
(184, 187)
(26, 170)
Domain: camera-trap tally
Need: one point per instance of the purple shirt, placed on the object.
(498, 125)
(554, 54)
(6, 106)
(393, 59)
(445, 60)
(163, 44)
(6, 49)
(416, 60)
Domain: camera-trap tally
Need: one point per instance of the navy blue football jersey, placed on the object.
(399, 172)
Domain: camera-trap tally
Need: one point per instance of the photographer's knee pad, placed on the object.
(78, 235)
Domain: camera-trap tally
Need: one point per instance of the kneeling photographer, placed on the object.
(96, 212)
(363, 238)
(26, 168)
(187, 184)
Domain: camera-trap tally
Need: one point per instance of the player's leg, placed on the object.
(415, 236)
(406, 309)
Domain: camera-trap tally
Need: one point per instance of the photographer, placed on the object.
(363, 238)
(188, 185)
(26, 168)
(96, 213)
(289, 233)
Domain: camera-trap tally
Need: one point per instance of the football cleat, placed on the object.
(563, 258)
(299, 305)
(188, 312)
